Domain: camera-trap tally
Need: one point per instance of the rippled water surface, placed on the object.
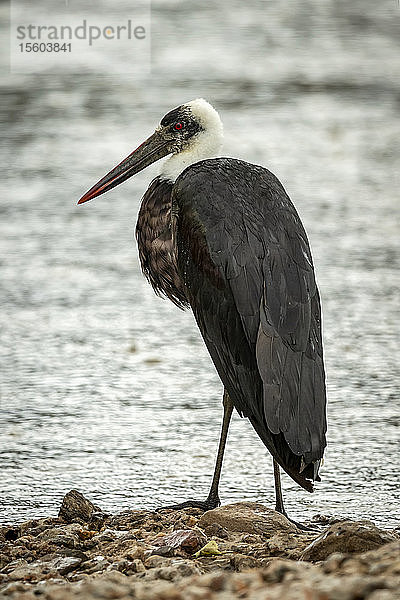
(108, 389)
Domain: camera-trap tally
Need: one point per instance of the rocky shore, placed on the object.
(242, 550)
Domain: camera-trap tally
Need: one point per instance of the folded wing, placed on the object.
(246, 263)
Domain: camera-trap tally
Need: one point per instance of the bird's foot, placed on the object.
(208, 504)
(300, 526)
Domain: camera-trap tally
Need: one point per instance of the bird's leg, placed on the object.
(212, 500)
(228, 408)
(279, 507)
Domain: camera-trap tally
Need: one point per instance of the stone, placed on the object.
(155, 561)
(279, 569)
(36, 526)
(355, 586)
(75, 508)
(247, 517)
(129, 519)
(333, 562)
(258, 559)
(215, 581)
(175, 571)
(9, 534)
(383, 595)
(137, 566)
(126, 547)
(348, 537)
(96, 565)
(103, 588)
(215, 530)
(66, 536)
(14, 587)
(286, 544)
(45, 568)
(188, 540)
(242, 562)
(385, 562)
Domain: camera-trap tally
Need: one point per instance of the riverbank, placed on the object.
(242, 550)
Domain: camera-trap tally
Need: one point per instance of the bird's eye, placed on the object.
(178, 126)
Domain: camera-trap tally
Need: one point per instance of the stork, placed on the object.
(221, 236)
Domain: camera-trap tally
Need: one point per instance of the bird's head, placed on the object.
(188, 133)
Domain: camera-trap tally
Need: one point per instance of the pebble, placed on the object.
(149, 556)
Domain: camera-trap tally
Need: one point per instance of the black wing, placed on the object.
(245, 260)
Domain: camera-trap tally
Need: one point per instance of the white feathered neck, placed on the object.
(205, 144)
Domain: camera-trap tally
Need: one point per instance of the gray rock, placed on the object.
(155, 561)
(174, 572)
(104, 588)
(285, 543)
(259, 557)
(96, 565)
(63, 564)
(47, 567)
(249, 517)
(355, 586)
(76, 508)
(242, 562)
(64, 536)
(280, 569)
(215, 530)
(136, 566)
(15, 564)
(347, 537)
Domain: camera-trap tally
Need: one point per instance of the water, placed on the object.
(108, 389)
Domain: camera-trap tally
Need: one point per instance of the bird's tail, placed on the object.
(301, 473)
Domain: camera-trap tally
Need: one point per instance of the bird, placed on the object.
(221, 236)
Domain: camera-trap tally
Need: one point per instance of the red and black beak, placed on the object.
(151, 150)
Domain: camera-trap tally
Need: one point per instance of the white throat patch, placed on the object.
(205, 144)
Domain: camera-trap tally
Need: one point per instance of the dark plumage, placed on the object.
(222, 236)
(157, 251)
(238, 254)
